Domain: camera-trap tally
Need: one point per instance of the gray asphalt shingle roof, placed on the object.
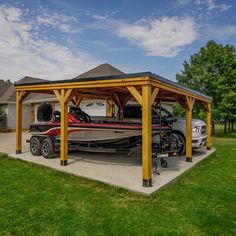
(10, 93)
(106, 72)
(101, 70)
(4, 87)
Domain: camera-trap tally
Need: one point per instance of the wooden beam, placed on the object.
(18, 122)
(73, 94)
(188, 110)
(109, 108)
(182, 103)
(189, 102)
(64, 134)
(135, 94)
(58, 94)
(177, 91)
(121, 82)
(20, 96)
(23, 95)
(67, 94)
(154, 95)
(116, 99)
(125, 99)
(86, 85)
(208, 126)
(64, 96)
(77, 101)
(146, 136)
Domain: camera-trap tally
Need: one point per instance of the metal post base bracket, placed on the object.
(64, 163)
(147, 182)
(189, 159)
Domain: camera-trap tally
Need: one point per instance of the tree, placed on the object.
(212, 71)
(7, 81)
(2, 109)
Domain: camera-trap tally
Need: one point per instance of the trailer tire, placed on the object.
(35, 146)
(164, 163)
(47, 148)
(182, 142)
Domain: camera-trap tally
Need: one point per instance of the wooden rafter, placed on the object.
(154, 95)
(116, 100)
(77, 100)
(135, 94)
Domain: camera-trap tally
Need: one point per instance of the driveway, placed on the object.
(8, 142)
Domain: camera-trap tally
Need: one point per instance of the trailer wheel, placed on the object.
(181, 143)
(155, 165)
(47, 148)
(35, 146)
(164, 163)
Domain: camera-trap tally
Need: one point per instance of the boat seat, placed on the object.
(56, 116)
(80, 115)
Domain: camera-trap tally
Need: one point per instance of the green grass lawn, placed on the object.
(35, 200)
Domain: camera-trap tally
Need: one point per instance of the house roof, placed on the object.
(9, 96)
(124, 77)
(107, 72)
(28, 79)
(3, 86)
(101, 70)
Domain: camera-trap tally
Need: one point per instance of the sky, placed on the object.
(59, 39)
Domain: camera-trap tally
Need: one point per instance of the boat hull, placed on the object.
(87, 133)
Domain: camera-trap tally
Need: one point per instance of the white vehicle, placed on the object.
(134, 113)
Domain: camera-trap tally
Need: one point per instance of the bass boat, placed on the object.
(84, 133)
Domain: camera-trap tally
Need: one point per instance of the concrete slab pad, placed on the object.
(114, 169)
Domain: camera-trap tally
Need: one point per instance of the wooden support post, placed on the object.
(20, 96)
(154, 95)
(64, 134)
(120, 113)
(208, 126)
(18, 122)
(188, 109)
(146, 136)
(120, 101)
(109, 108)
(77, 101)
(135, 94)
(63, 96)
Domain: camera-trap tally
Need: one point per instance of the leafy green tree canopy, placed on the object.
(212, 71)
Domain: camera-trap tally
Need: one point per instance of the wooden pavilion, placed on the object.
(143, 87)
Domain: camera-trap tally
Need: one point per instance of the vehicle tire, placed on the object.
(35, 146)
(47, 149)
(155, 166)
(181, 143)
(164, 163)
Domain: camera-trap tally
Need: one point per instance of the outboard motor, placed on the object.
(44, 112)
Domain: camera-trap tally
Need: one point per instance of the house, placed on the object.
(8, 98)
(94, 107)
